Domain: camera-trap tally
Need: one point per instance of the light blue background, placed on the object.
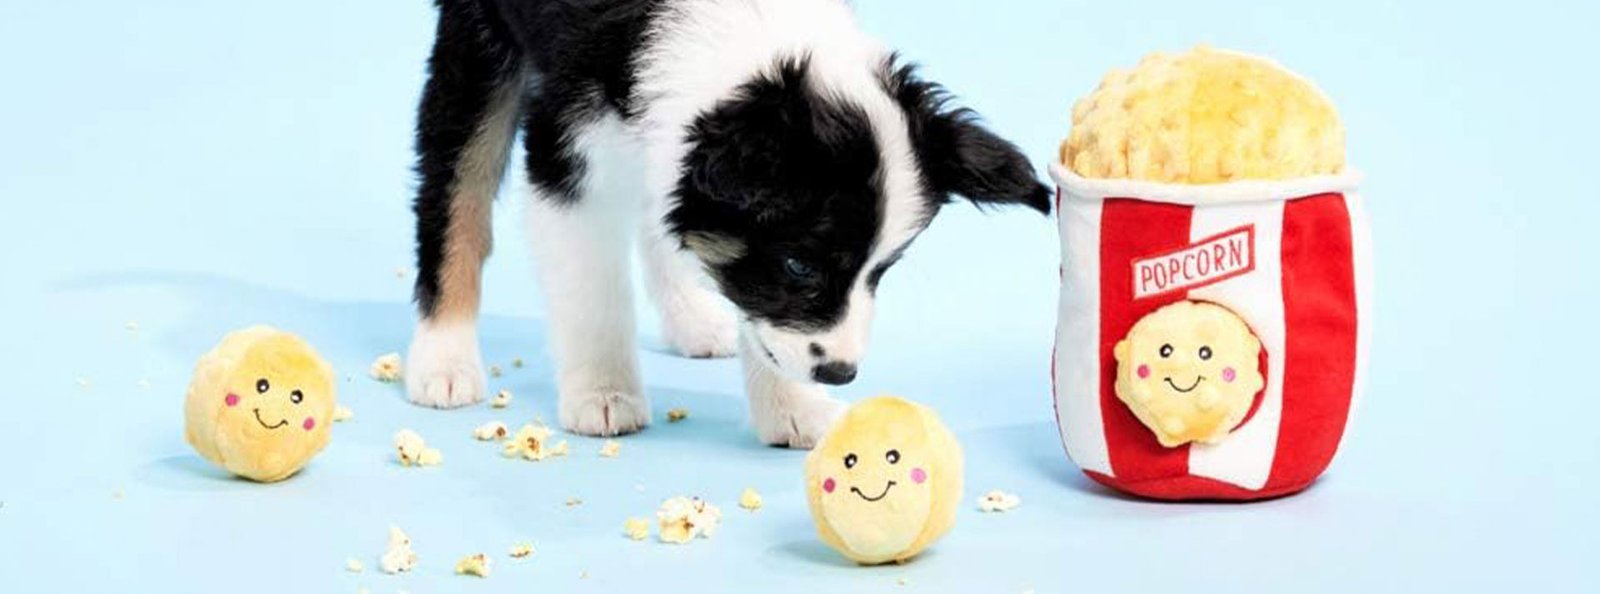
(202, 166)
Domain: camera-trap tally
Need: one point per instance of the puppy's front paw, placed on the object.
(797, 422)
(603, 412)
(700, 328)
(444, 369)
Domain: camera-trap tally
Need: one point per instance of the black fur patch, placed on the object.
(790, 174)
(956, 154)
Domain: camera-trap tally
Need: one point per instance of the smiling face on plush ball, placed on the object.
(1189, 371)
(884, 482)
(260, 404)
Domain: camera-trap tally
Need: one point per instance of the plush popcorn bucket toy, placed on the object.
(1214, 312)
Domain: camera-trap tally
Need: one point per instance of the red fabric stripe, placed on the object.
(1130, 229)
(1319, 318)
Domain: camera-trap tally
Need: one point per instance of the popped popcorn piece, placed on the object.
(902, 581)
(491, 431)
(117, 495)
(574, 502)
(521, 550)
(494, 371)
(473, 565)
(677, 414)
(342, 413)
(750, 499)
(684, 518)
(399, 557)
(132, 325)
(583, 575)
(517, 362)
(998, 501)
(354, 565)
(636, 528)
(402, 272)
(501, 400)
(412, 450)
(532, 442)
(610, 449)
(387, 368)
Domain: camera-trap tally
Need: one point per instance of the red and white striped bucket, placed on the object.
(1292, 258)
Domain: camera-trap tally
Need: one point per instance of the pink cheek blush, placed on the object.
(1144, 371)
(309, 424)
(231, 400)
(919, 476)
(1228, 374)
(827, 486)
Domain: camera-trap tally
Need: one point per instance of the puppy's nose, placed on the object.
(834, 373)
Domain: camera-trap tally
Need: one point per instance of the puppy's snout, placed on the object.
(834, 373)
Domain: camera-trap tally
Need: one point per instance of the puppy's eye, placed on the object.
(849, 460)
(1205, 353)
(893, 456)
(296, 396)
(1166, 351)
(798, 270)
(262, 386)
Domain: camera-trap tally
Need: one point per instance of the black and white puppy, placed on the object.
(763, 152)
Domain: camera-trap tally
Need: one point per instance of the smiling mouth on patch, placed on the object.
(885, 492)
(1197, 380)
(281, 422)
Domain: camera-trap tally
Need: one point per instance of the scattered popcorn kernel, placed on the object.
(491, 431)
(342, 413)
(574, 502)
(902, 581)
(132, 325)
(750, 499)
(354, 565)
(636, 528)
(998, 501)
(521, 550)
(494, 371)
(501, 399)
(677, 414)
(402, 272)
(412, 450)
(610, 449)
(399, 557)
(117, 495)
(387, 368)
(684, 518)
(583, 575)
(474, 565)
(532, 442)
(517, 363)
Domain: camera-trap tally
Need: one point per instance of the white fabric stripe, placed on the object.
(1078, 337)
(1361, 250)
(1083, 188)
(1245, 457)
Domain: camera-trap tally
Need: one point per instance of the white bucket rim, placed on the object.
(1077, 187)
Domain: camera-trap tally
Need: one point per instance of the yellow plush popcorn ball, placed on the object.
(1201, 117)
(1189, 371)
(260, 404)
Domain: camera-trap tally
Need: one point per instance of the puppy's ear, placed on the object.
(959, 156)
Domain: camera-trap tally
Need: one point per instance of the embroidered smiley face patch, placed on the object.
(1189, 371)
(884, 482)
(260, 404)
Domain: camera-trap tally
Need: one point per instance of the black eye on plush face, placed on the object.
(262, 386)
(849, 460)
(893, 456)
(1166, 351)
(798, 270)
(296, 396)
(1205, 353)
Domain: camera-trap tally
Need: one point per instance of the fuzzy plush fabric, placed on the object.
(260, 404)
(1189, 371)
(884, 483)
(1202, 117)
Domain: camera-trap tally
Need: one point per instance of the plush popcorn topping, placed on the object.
(387, 368)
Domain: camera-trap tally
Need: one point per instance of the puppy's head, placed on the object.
(798, 193)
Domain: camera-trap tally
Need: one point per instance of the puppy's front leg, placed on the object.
(784, 412)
